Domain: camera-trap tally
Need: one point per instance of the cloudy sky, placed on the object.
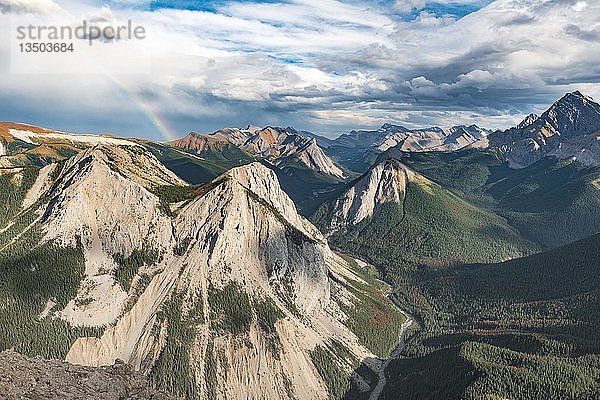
(322, 65)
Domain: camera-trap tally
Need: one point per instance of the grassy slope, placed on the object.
(478, 371)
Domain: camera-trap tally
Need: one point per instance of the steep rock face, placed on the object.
(238, 241)
(238, 208)
(383, 183)
(277, 145)
(575, 114)
(41, 185)
(569, 128)
(308, 153)
(530, 119)
(98, 201)
(94, 206)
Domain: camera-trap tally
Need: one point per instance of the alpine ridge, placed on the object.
(384, 183)
(281, 146)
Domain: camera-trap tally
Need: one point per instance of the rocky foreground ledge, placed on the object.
(36, 378)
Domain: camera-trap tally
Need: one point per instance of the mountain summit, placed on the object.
(569, 128)
(385, 182)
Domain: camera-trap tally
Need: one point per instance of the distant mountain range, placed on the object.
(424, 139)
(569, 128)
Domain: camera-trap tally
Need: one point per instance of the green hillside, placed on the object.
(432, 228)
(479, 371)
(521, 329)
(202, 168)
(561, 191)
(524, 328)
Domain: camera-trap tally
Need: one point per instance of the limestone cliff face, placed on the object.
(247, 230)
(240, 236)
(95, 204)
(383, 183)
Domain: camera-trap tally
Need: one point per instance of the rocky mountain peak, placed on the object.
(263, 182)
(574, 114)
(390, 128)
(385, 182)
(433, 138)
(277, 145)
(574, 97)
(567, 129)
(528, 120)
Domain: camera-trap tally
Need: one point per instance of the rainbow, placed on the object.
(152, 116)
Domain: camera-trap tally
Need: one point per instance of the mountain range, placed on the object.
(569, 128)
(271, 263)
(280, 146)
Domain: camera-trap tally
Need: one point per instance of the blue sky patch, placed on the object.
(195, 5)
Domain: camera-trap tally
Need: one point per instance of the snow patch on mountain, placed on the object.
(38, 138)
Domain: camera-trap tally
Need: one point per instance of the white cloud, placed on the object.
(309, 60)
(29, 6)
(408, 5)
